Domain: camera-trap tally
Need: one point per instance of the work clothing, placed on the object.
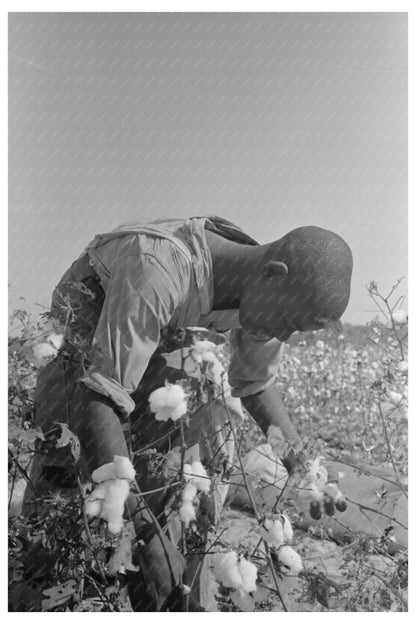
(123, 305)
(156, 278)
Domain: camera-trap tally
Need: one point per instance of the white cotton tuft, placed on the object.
(203, 346)
(187, 472)
(287, 528)
(93, 507)
(113, 506)
(56, 340)
(168, 396)
(290, 559)
(99, 493)
(187, 512)
(226, 571)
(248, 572)
(189, 491)
(43, 353)
(272, 532)
(167, 413)
(123, 467)
(157, 399)
(231, 571)
(209, 356)
(115, 524)
(168, 402)
(200, 477)
(104, 473)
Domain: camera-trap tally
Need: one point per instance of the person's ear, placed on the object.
(274, 268)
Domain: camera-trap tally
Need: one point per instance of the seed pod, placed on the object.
(329, 506)
(341, 503)
(315, 510)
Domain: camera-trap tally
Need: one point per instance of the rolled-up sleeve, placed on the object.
(254, 362)
(141, 297)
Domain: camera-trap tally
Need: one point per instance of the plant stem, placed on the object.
(390, 450)
(253, 503)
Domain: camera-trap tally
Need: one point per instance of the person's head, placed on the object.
(302, 283)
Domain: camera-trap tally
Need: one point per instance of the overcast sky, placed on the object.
(270, 120)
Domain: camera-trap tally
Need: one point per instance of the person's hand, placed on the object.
(108, 498)
(322, 488)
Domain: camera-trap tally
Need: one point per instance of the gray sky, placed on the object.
(270, 120)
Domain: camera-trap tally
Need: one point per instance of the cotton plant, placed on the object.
(200, 360)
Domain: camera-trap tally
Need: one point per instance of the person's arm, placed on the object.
(98, 426)
(267, 408)
(141, 297)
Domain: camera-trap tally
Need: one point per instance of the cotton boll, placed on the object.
(56, 340)
(203, 346)
(179, 410)
(174, 395)
(171, 396)
(123, 467)
(248, 572)
(104, 473)
(200, 477)
(187, 472)
(209, 356)
(272, 532)
(190, 491)
(174, 413)
(226, 569)
(157, 399)
(168, 402)
(113, 506)
(187, 512)
(93, 507)
(43, 353)
(99, 493)
(163, 414)
(287, 528)
(290, 559)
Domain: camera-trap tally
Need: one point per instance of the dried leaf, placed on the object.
(121, 559)
(58, 595)
(68, 438)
